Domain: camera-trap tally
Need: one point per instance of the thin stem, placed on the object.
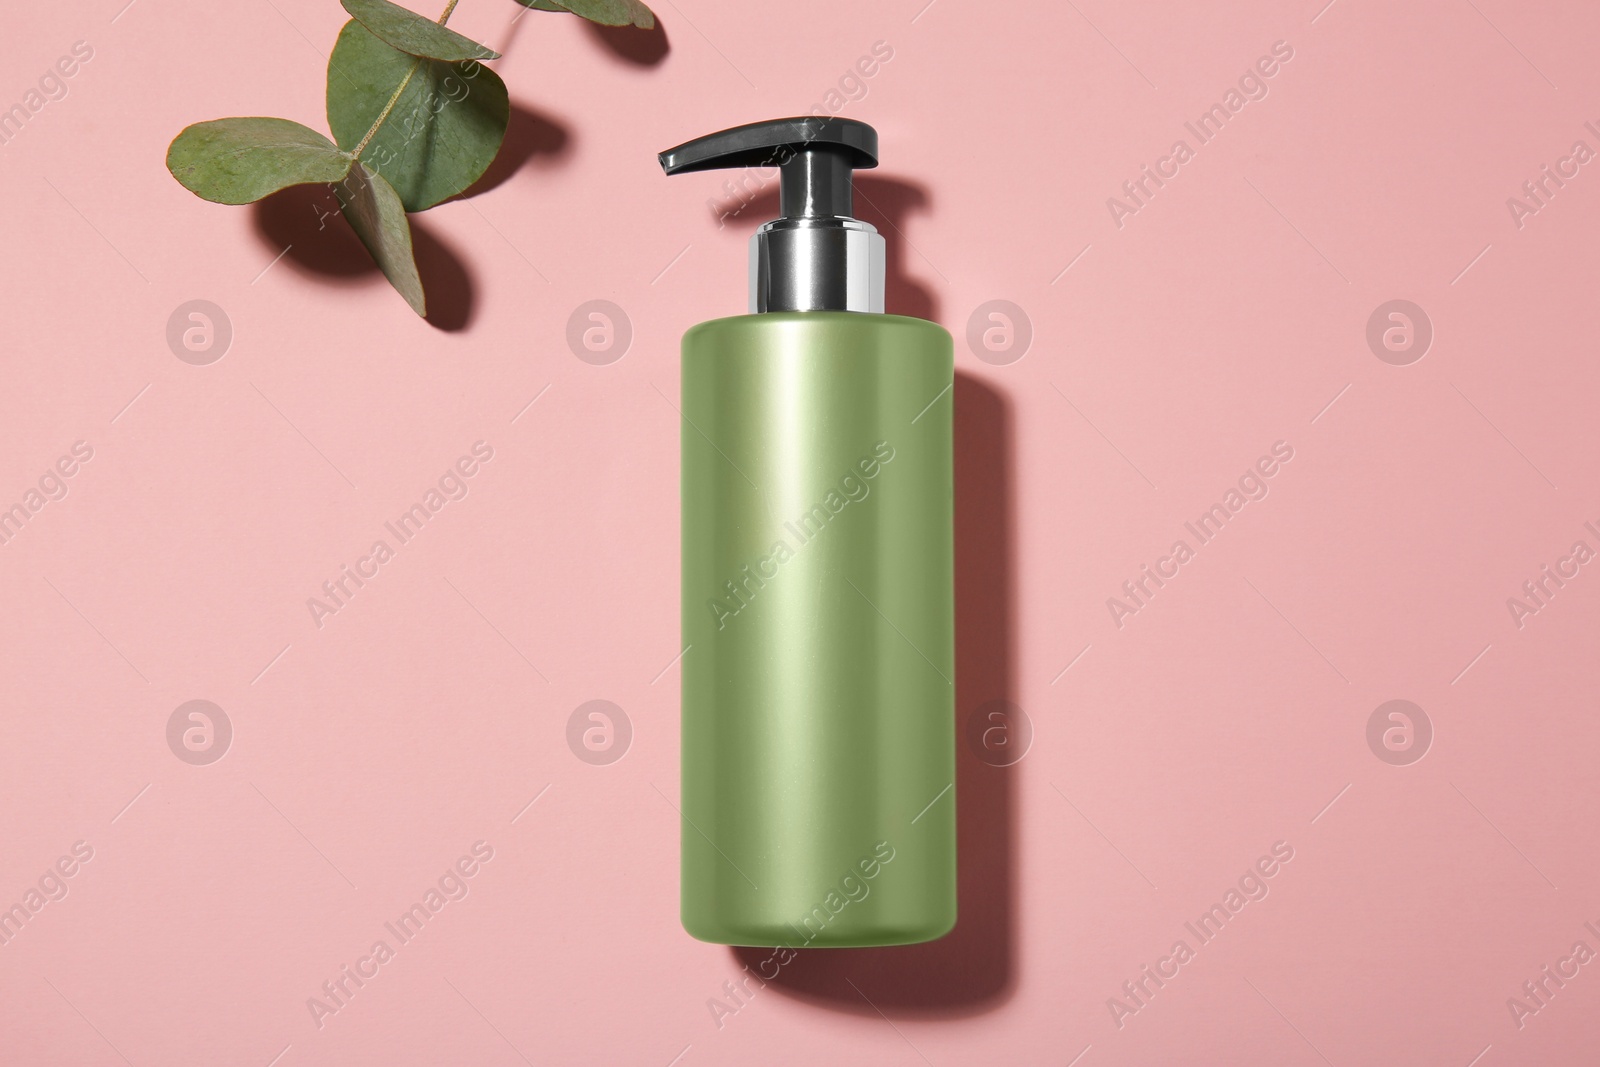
(395, 97)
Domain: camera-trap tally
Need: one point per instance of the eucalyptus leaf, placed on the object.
(415, 34)
(605, 12)
(444, 129)
(379, 219)
(239, 161)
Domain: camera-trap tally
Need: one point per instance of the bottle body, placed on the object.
(818, 795)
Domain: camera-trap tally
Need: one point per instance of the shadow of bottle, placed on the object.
(971, 970)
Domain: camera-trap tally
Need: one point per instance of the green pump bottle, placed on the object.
(818, 795)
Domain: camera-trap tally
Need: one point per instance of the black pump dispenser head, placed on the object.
(815, 256)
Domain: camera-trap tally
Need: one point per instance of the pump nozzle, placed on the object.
(815, 256)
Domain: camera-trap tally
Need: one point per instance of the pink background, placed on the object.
(1230, 713)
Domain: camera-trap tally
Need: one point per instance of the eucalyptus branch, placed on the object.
(416, 64)
(446, 149)
(394, 99)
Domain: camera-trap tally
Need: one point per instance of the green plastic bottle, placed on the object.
(818, 796)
